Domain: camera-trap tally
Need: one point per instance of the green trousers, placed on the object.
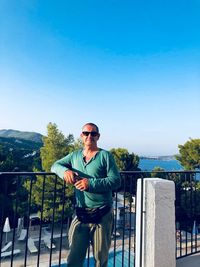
(81, 235)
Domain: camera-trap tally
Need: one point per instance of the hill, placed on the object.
(31, 136)
(18, 153)
(11, 143)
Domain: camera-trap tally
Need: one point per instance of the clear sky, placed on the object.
(131, 67)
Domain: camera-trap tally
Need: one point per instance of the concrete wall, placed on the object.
(155, 230)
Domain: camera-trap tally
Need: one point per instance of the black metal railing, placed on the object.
(41, 206)
(46, 206)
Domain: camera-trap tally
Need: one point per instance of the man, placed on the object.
(94, 174)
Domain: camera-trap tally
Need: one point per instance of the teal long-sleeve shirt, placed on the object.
(102, 174)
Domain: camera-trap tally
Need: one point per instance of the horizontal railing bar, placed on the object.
(122, 172)
(155, 171)
(27, 173)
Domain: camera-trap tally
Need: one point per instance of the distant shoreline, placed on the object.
(159, 157)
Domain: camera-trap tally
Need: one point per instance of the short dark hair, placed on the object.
(92, 124)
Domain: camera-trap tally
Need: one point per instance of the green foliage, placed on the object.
(18, 154)
(6, 194)
(56, 146)
(187, 192)
(190, 154)
(54, 195)
(13, 196)
(76, 145)
(124, 160)
(157, 172)
(190, 199)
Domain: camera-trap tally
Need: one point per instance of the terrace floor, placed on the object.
(32, 258)
(189, 261)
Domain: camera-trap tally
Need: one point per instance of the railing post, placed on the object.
(155, 223)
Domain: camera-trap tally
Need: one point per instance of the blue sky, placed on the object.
(132, 67)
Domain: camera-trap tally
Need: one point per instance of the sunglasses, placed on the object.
(91, 133)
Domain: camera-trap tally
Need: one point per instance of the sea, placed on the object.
(167, 165)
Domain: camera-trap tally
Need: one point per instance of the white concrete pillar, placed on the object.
(157, 239)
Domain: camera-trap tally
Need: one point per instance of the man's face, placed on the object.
(89, 135)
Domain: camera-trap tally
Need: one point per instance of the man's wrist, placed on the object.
(65, 176)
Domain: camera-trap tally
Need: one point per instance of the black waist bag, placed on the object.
(88, 215)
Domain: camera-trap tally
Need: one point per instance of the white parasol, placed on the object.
(6, 227)
(19, 225)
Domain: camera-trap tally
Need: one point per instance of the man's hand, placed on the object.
(82, 184)
(69, 176)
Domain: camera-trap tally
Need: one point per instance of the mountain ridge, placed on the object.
(25, 135)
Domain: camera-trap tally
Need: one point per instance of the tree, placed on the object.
(124, 160)
(158, 172)
(56, 146)
(76, 145)
(189, 156)
(16, 155)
